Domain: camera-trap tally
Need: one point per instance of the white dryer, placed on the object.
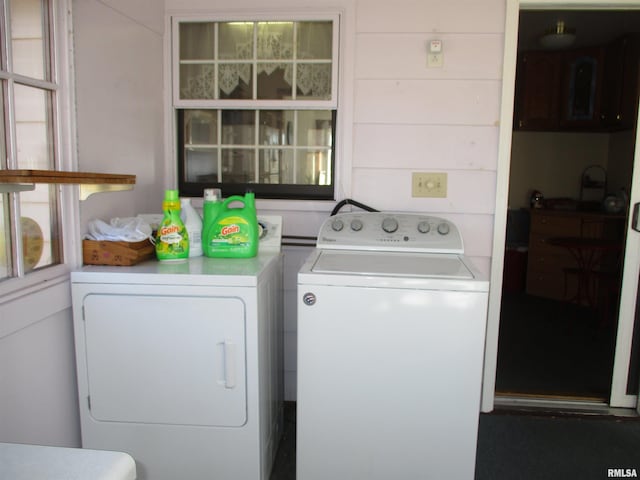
(391, 330)
(180, 364)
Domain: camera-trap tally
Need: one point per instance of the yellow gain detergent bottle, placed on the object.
(234, 233)
(172, 239)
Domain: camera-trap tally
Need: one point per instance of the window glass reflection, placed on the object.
(238, 165)
(40, 231)
(5, 238)
(29, 35)
(197, 41)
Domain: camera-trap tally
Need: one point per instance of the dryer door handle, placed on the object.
(229, 349)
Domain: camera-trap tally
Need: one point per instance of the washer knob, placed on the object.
(424, 227)
(389, 225)
(337, 225)
(356, 225)
(443, 228)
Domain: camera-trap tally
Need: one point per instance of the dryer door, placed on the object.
(166, 359)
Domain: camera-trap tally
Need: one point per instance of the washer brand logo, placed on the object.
(622, 473)
(325, 239)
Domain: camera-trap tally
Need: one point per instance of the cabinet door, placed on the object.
(538, 79)
(164, 359)
(620, 88)
(581, 91)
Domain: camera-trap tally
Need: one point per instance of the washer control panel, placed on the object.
(408, 232)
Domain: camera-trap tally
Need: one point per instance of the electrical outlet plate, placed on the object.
(429, 184)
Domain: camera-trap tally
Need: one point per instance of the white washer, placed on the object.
(180, 364)
(391, 329)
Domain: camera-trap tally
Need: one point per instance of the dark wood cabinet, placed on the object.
(621, 83)
(548, 263)
(537, 92)
(559, 90)
(590, 89)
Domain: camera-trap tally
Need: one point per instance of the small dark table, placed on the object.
(589, 254)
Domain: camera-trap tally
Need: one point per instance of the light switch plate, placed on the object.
(435, 60)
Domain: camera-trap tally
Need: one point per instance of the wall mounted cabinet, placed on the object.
(559, 90)
(589, 89)
(621, 82)
(537, 92)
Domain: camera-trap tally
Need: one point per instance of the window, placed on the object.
(30, 222)
(255, 105)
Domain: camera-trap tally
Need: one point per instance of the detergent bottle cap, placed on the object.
(171, 195)
(212, 194)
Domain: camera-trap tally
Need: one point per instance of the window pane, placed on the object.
(236, 43)
(276, 166)
(40, 232)
(197, 81)
(238, 127)
(201, 165)
(315, 40)
(197, 41)
(315, 128)
(276, 127)
(290, 147)
(33, 128)
(235, 40)
(5, 238)
(38, 208)
(275, 41)
(313, 167)
(313, 81)
(238, 165)
(201, 127)
(274, 81)
(236, 81)
(3, 142)
(29, 38)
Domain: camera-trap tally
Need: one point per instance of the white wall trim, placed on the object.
(500, 210)
(504, 160)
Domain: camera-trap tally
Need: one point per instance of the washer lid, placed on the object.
(392, 264)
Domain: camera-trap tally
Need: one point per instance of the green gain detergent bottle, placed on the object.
(172, 240)
(234, 233)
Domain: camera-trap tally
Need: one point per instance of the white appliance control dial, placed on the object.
(443, 228)
(408, 232)
(424, 227)
(389, 225)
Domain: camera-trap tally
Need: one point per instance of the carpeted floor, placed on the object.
(526, 446)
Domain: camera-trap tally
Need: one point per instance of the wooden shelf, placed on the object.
(90, 183)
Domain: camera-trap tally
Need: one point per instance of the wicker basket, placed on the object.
(116, 253)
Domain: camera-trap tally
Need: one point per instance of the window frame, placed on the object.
(287, 192)
(63, 154)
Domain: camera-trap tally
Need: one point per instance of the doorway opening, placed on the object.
(570, 177)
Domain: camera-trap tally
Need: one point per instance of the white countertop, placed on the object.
(36, 462)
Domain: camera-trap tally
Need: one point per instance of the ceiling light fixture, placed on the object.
(560, 36)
